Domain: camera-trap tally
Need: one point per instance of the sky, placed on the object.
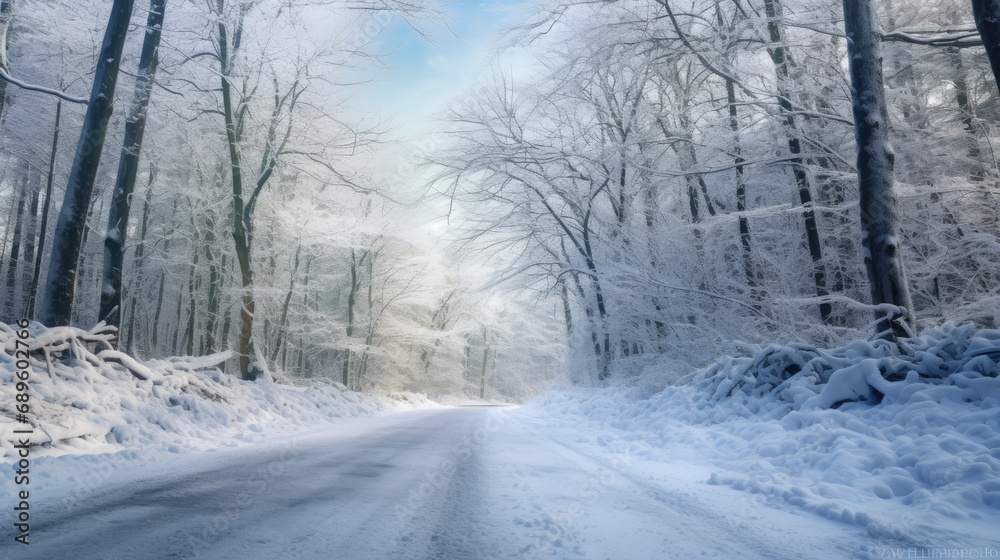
(425, 75)
(421, 77)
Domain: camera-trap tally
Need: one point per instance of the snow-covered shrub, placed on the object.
(947, 362)
(86, 396)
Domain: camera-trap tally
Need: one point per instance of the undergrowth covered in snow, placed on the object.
(894, 439)
(87, 397)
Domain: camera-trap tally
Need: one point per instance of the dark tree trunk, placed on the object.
(13, 260)
(128, 166)
(189, 333)
(227, 320)
(976, 172)
(780, 58)
(604, 350)
(57, 307)
(352, 297)
(567, 312)
(305, 301)
(987, 14)
(154, 339)
(283, 323)
(30, 239)
(880, 232)
(192, 285)
(43, 228)
(175, 342)
(241, 236)
(741, 193)
(213, 292)
(140, 260)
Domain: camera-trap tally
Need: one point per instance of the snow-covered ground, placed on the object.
(451, 483)
(904, 445)
(789, 452)
(101, 400)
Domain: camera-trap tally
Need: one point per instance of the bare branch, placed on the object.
(42, 89)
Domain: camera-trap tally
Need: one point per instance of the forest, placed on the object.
(627, 182)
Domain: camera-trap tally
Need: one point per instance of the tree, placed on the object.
(879, 223)
(987, 14)
(6, 13)
(57, 305)
(43, 227)
(128, 166)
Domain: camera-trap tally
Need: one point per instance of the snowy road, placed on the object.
(454, 483)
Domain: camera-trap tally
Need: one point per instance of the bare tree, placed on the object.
(128, 166)
(57, 306)
(987, 14)
(879, 224)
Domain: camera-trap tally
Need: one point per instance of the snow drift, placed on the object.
(897, 440)
(96, 399)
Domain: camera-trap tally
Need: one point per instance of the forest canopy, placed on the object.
(626, 183)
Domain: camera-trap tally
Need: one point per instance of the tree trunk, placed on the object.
(240, 233)
(13, 260)
(189, 333)
(128, 166)
(227, 320)
(6, 9)
(213, 290)
(305, 301)
(976, 172)
(30, 241)
(283, 323)
(482, 376)
(987, 14)
(140, 260)
(43, 229)
(779, 56)
(880, 235)
(154, 338)
(741, 197)
(567, 312)
(192, 279)
(57, 307)
(81, 266)
(175, 342)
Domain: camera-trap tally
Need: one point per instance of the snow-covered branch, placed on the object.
(42, 89)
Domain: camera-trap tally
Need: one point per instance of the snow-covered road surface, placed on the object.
(451, 483)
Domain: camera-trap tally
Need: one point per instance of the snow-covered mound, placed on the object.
(893, 440)
(87, 397)
(947, 363)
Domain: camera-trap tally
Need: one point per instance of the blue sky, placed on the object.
(424, 76)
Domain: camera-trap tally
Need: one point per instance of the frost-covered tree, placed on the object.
(128, 167)
(879, 224)
(57, 305)
(987, 14)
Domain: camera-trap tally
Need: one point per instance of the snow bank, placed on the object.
(896, 441)
(95, 399)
